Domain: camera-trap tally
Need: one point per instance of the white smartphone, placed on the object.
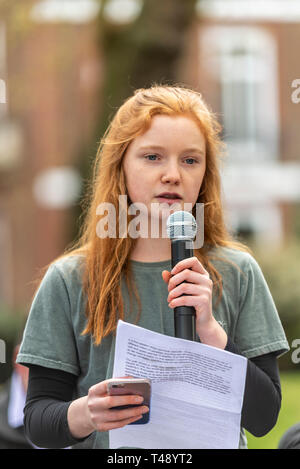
(129, 386)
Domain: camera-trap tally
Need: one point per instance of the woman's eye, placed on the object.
(191, 160)
(151, 157)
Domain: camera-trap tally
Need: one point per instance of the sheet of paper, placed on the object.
(197, 391)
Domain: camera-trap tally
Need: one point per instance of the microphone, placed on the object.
(182, 229)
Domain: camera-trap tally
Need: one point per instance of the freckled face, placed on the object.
(167, 163)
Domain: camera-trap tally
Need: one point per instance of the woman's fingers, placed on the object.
(192, 263)
(118, 415)
(189, 276)
(166, 275)
(115, 401)
(185, 289)
(107, 418)
(103, 412)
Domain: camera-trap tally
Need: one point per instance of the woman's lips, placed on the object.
(168, 200)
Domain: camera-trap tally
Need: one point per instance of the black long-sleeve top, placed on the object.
(50, 393)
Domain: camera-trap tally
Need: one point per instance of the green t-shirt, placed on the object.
(52, 336)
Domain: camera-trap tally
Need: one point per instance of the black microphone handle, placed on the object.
(184, 316)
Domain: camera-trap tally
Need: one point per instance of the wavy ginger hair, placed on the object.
(107, 259)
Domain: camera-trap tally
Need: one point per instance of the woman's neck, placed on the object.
(151, 250)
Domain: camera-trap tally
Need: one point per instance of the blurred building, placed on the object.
(247, 67)
(241, 54)
(50, 76)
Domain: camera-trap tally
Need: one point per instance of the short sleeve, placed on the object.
(259, 329)
(48, 338)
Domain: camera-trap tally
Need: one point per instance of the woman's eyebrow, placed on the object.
(159, 147)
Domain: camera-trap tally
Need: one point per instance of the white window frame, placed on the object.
(256, 70)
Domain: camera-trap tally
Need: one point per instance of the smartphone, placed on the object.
(127, 386)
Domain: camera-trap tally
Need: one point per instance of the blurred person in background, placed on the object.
(291, 438)
(12, 401)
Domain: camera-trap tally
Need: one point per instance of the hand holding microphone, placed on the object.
(189, 285)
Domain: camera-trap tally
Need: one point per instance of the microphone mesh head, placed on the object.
(181, 225)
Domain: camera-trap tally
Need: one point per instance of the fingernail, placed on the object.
(139, 399)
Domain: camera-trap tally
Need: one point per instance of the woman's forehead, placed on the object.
(164, 128)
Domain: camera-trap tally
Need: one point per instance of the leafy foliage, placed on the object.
(281, 270)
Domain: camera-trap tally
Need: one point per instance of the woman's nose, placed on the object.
(171, 175)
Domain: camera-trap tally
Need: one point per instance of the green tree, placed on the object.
(145, 51)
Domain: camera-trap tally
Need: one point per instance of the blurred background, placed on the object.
(67, 65)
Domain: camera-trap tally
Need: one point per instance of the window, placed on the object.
(244, 65)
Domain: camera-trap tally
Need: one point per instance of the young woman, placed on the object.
(162, 147)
